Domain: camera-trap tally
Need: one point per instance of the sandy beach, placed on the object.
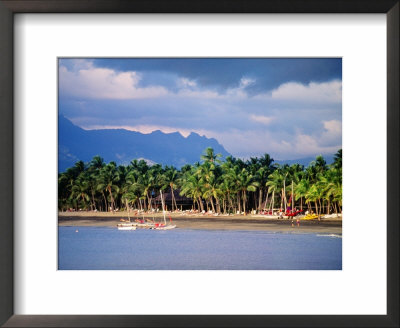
(196, 221)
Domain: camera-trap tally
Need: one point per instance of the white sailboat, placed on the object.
(164, 226)
(126, 225)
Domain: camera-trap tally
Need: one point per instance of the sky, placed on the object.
(289, 108)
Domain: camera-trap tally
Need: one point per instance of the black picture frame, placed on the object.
(10, 7)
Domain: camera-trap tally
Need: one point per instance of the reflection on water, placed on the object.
(105, 248)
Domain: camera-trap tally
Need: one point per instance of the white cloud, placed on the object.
(104, 83)
(266, 120)
(330, 92)
(244, 82)
(196, 93)
(333, 127)
(292, 121)
(332, 133)
(186, 83)
(244, 144)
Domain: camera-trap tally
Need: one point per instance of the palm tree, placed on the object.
(246, 183)
(210, 156)
(275, 184)
(108, 179)
(97, 162)
(80, 190)
(193, 188)
(229, 185)
(331, 183)
(337, 159)
(314, 194)
(301, 190)
(145, 184)
(171, 179)
(211, 189)
(128, 194)
(320, 164)
(206, 174)
(233, 176)
(261, 176)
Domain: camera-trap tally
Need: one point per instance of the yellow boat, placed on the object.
(310, 217)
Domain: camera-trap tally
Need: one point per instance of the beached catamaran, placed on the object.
(164, 226)
(127, 225)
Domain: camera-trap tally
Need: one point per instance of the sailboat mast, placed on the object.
(162, 202)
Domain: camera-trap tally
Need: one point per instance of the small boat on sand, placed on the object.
(126, 226)
(310, 217)
(163, 226)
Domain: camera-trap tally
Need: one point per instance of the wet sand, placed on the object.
(235, 222)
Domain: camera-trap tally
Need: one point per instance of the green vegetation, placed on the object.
(220, 186)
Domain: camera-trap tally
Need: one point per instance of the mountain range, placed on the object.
(304, 161)
(122, 146)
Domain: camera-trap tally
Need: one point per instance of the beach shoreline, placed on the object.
(206, 222)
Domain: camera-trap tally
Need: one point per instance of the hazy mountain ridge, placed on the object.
(122, 146)
(304, 161)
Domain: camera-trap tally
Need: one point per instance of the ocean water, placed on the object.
(107, 248)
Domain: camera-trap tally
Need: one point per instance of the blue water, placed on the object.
(106, 248)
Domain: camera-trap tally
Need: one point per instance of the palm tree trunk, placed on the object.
(266, 200)
(212, 204)
(218, 205)
(105, 201)
(112, 199)
(328, 207)
(173, 199)
(244, 202)
(284, 194)
(321, 208)
(260, 195)
(83, 200)
(230, 201)
(201, 204)
(94, 203)
(292, 204)
(127, 208)
(238, 200)
(273, 200)
(149, 202)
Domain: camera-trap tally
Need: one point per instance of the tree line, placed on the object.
(222, 186)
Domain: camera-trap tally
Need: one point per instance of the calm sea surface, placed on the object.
(106, 248)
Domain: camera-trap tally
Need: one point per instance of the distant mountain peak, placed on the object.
(148, 161)
(122, 146)
(194, 135)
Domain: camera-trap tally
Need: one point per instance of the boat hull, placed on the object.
(126, 227)
(168, 227)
